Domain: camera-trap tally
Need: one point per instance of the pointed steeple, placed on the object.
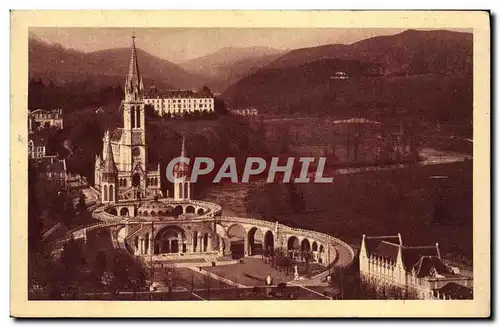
(183, 148)
(133, 85)
(181, 169)
(109, 172)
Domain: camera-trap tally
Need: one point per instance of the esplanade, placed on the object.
(180, 231)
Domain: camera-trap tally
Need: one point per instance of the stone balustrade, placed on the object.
(108, 220)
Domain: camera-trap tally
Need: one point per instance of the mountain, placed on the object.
(226, 66)
(430, 72)
(53, 62)
(413, 52)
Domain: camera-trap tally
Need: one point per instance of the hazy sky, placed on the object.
(180, 44)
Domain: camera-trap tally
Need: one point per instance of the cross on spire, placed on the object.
(134, 80)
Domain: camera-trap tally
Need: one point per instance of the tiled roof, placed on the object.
(387, 250)
(411, 255)
(110, 170)
(372, 243)
(455, 291)
(424, 266)
(154, 93)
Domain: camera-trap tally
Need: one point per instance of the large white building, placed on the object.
(180, 102)
(123, 171)
(39, 119)
(384, 260)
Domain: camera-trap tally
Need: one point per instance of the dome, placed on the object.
(181, 170)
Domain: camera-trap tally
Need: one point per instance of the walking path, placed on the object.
(217, 277)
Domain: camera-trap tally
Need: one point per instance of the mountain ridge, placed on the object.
(426, 71)
(63, 65)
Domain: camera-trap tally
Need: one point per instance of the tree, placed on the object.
(296, 198)
(72, 257)
(307, 255)
(69, 212)
(205, 90)
(81, 206)
(40, 271)
(70, 269)
(99, 265)
(150, 112)
(170, 278)
(126, 272)
(220, 107)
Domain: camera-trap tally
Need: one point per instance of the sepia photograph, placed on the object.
(249, 164)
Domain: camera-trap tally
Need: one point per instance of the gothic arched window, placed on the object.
(132, 116)
(111, 194)
(138, 117)
(105, 193)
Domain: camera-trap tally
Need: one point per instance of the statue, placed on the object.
(296, 273)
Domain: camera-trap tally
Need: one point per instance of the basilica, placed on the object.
(123, 172)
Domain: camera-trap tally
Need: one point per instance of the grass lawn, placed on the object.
(252, 272)
(187, 277)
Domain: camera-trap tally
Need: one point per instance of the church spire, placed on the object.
(183, 148)
(109, 172)
(134, 86)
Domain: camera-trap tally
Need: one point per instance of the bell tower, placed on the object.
(134, 124)
(182, 173)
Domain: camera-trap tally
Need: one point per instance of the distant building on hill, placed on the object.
(40, 118)
(180, 102)
(340, 75)
(416, 270)
(51, 172)
(37, 144)
(244, 112)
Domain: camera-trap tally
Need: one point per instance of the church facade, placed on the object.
(123, 172)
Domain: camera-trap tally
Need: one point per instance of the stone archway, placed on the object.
(269, 242)
(321, 256)
(178, 210)
(200, 211)
(305, 250)
(190, 209)
(124, 212)
(305, 245)
(237, 235)
(170, 239)
(113, 212)
(293, 246)
(255, 241)
(314, 249)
